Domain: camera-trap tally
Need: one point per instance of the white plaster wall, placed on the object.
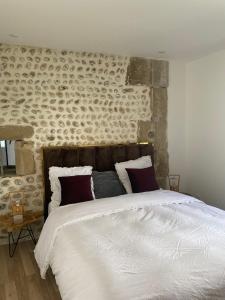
(176, 120)
(205, 128)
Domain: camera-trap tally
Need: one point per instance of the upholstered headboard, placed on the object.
(102, 158)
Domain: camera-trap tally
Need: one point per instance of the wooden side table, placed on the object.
(29, 218)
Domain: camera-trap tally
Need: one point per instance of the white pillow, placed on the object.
(51, 206)
(140, 163)
(56, 172)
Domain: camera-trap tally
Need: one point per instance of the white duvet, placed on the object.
(153, 245)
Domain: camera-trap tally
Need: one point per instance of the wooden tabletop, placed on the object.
(29, 217)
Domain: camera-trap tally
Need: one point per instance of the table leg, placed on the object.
(29, 229)
(13, 244)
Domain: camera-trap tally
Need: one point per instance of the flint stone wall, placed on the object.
(71, 98)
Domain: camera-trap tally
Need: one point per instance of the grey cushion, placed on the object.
(107, 184)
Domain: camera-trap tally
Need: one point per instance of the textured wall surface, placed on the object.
(68, 98)
(155, 75)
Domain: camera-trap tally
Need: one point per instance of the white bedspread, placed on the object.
(153, 245)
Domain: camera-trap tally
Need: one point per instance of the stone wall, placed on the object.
(71, 98)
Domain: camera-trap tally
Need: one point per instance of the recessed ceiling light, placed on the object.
(161, 52)
(12, 35)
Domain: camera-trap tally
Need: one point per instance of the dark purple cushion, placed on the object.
(75, 189)
(142, 180)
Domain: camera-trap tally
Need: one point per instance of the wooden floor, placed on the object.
(20, 279)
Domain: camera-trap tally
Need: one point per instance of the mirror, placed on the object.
(7, 158)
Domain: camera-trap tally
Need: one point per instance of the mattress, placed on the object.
(152, 245)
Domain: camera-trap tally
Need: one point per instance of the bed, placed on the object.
(152, 245)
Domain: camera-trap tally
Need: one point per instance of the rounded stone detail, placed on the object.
(68, 98)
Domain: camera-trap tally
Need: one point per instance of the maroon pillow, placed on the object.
(142, 180)
(75, 189)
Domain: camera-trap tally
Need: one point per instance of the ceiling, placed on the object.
(174, 29)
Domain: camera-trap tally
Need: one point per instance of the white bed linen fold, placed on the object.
(153, 245)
